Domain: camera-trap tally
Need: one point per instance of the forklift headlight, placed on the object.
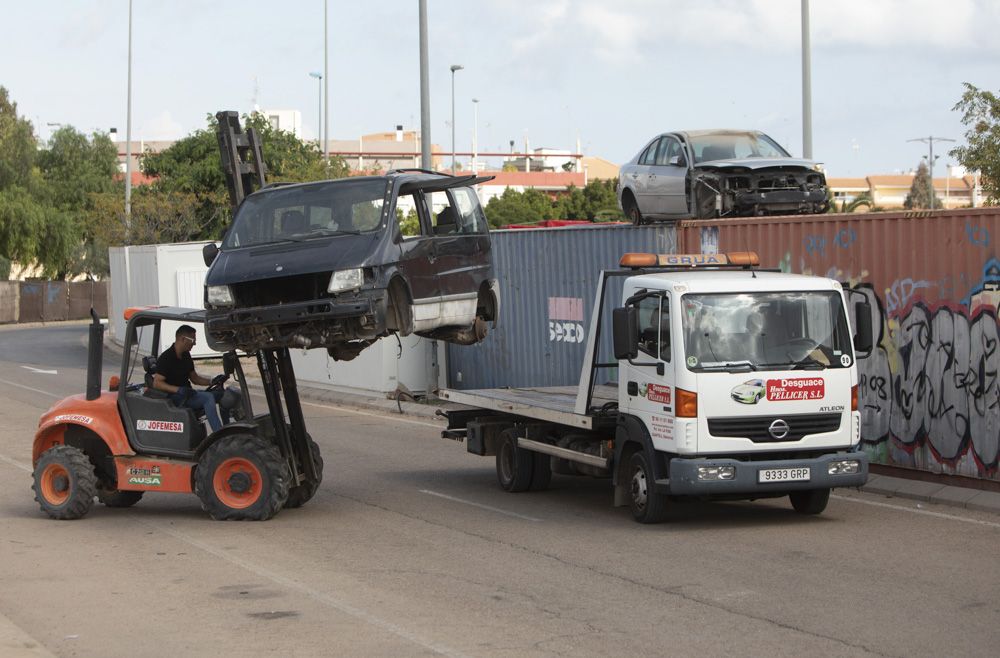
(343, 280)
(219, 296)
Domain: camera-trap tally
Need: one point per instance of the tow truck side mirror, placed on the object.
(863, 321)
(209, 252)
(625, 329)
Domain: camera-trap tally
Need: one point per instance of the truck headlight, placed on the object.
(342, 280)
(716, 472)
(219, 296)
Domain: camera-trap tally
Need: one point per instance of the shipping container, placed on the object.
(547, 280)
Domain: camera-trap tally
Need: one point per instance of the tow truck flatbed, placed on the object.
(553, 404)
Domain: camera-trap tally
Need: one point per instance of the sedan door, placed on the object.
(667, 177)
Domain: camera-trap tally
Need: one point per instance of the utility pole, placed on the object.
(807, 138)
(128, 132)
(326, 89)
(475, 136)
(930, 159)
(425, 94)
(454, 67)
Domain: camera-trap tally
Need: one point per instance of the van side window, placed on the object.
(444, 217)
(407, 216)
(470, 213)
(654, 326)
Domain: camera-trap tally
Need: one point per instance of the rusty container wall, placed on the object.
(547, 283)
(86, 294)
(929, 395)
(10, 297)
(56, 301)
(32, 303)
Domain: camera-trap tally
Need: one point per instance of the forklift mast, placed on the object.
(242, 160)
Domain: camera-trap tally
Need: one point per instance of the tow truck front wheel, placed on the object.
(810, 501)
(647, 506)
(65, 483)
(242, 477)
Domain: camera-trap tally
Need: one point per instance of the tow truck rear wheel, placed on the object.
(515, 465)
(65, 482)
(647, 506)
(810, 501)
(300, 494)
(242, 477)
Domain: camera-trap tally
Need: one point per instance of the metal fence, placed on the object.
(51, 301)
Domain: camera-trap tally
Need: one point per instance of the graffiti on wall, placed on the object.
(929, 393)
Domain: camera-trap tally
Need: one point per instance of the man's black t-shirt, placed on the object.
(175, 369)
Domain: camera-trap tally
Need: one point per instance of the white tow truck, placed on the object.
(729, 382)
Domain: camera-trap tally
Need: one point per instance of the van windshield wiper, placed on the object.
(320, 233)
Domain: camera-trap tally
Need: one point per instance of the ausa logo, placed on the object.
(159, 426)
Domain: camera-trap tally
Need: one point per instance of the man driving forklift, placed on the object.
(175, 372)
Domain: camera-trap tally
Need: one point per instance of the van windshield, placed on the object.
(308, 212)
(766, 331)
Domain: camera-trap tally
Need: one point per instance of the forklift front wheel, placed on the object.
(65, 483)
(242, 477)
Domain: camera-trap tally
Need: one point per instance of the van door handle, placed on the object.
(632, 388)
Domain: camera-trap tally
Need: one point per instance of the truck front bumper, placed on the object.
(685, 481)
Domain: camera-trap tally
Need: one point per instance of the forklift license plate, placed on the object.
(783, 475)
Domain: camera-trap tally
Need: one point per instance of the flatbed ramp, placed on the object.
(555, 403)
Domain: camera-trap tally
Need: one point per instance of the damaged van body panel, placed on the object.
(340, 264)
(718, 173)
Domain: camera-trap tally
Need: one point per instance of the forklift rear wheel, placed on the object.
(65, 482)
(242, 477)
(114, 498)
(647, 506)
(300, 494)
(810, 501)
(514, 465)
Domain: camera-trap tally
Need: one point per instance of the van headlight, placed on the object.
(219, 296)
(343, 280)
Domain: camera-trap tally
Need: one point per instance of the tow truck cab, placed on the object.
(743, 380)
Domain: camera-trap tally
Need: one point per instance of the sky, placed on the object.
(611, 74)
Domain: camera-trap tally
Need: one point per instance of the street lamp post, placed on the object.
(319, 111)
(475, 136)
(454, 67)
(128, 128)
(930, 159)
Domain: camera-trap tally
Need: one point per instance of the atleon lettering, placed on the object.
(805, 388)
(159, 426)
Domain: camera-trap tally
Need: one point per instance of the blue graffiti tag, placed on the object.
(845, 238)
(978, 235)
(815, 243)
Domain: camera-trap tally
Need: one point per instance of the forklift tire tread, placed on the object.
(242, 477)
(301, 494)
(65, 483)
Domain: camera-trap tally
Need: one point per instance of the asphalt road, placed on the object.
(411, 548)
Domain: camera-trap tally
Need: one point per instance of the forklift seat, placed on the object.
(149, 366)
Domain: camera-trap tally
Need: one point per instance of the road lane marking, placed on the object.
(387, 416)
(480, 506)
(39, 370)
(939, 515)
(15, 463)
(316, 595)
(28, 388)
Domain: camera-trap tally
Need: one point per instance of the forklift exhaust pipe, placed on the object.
(95, 356)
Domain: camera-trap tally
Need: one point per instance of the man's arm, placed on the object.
(160, 384)
(198, 379)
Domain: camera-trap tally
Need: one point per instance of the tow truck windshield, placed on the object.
(765, 331)
(307, 212)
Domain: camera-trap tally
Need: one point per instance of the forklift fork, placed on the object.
(278, 375)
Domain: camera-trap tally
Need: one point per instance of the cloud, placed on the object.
(161, 127)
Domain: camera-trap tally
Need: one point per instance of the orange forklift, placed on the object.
(117, 444)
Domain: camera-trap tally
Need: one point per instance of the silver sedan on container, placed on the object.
(718, 173)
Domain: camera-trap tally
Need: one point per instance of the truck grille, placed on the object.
(282, 290)
(755, 428)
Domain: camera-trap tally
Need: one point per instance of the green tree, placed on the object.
(75, 166)
(921, 194)
(981, 116)
(192, 166)
(17, 145)
(513, 207)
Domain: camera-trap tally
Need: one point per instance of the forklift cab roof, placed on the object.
(137, 314)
